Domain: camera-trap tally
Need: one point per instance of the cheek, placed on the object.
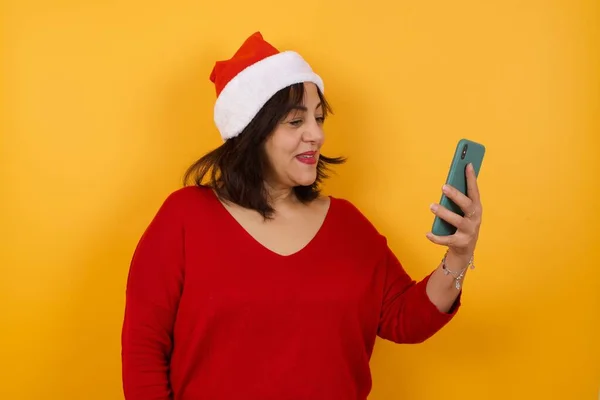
(278, 157)
(283, 148)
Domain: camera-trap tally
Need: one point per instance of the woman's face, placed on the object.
(293, 148)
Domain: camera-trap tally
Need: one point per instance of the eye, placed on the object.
(320, 119)
(296, 122)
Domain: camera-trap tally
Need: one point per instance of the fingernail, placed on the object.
(471, 166)
(445, 188)
(433, 206)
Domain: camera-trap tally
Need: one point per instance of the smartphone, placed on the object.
(466, 152)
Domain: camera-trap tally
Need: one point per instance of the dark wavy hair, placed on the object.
(236, 170)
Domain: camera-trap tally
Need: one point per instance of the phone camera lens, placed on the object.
(464, 151)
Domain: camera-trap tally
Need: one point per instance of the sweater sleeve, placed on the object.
(408, 315)
(153, 290)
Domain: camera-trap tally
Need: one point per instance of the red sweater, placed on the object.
(211, 314)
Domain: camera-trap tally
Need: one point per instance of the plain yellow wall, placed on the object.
(106, 103)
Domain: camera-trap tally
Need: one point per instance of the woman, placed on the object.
(250, 284)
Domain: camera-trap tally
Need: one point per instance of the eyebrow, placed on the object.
(303, 108)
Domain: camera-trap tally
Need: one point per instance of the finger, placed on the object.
(441, 240)
(447, 215)
(472, 188)
(457, 197)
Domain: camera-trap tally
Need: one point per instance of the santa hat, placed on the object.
(245, 82)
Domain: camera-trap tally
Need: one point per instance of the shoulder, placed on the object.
(188, 195)
(178, 210)
(351, 213)
(349, 218)
(182, 202)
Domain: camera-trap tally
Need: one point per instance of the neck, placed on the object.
(279, 197)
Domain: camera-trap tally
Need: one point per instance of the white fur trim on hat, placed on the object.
(245, 94)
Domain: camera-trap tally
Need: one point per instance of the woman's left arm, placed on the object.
(445, 283)
(414, 311)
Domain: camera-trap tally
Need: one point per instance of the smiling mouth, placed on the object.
(307, 158)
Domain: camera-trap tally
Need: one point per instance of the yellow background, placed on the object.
(105, 104)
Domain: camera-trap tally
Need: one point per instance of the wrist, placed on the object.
(456, 265)
(458, 261)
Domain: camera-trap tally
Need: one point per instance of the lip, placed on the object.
(308, 157)
(307, 153)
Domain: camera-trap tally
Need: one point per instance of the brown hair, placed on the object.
(236, 169)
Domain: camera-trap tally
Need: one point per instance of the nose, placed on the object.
(313, 132)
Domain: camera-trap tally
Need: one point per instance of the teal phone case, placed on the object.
(466, 152)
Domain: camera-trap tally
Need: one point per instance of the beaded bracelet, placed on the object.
(458, 276)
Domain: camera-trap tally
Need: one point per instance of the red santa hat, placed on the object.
(245, 82)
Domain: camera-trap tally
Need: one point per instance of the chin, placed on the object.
(305, 180)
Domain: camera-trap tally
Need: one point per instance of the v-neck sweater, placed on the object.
(213, 314)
